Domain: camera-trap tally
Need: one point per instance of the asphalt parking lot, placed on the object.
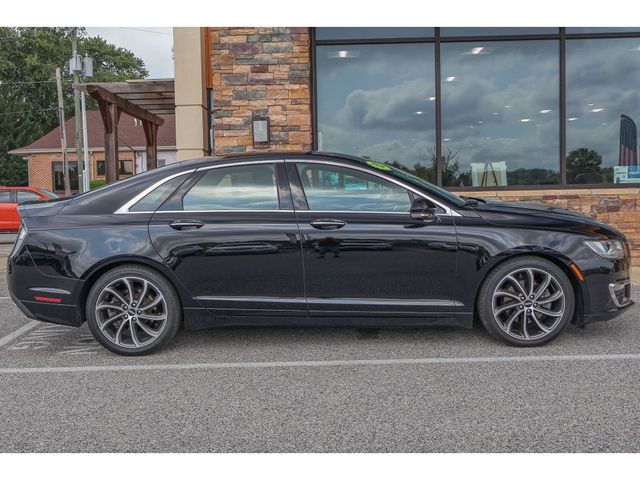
(319, 390)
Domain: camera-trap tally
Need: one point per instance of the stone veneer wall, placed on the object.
(619, 207)
(261, 72)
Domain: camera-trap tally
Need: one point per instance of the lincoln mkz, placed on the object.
(310, 239)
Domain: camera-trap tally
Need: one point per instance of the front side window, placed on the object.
(244, 187)
(333, 188)
(5, 196)
(27, 196)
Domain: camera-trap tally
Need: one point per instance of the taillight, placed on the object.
(22, 233)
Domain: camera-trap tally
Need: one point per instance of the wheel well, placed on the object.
(95, 275)
(558, 263)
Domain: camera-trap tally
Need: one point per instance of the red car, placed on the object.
(11, 197)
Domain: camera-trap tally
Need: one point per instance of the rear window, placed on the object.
(5, 196)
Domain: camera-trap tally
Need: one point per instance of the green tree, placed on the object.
(28, 110)
(583, 160)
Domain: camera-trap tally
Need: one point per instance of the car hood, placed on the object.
(542, 216)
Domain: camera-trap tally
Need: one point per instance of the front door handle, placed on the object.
(328, 224)
(186, 224)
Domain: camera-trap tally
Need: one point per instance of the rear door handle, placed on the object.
(328, 224)
(186, 224)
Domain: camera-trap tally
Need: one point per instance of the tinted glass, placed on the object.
(26, 196)
(603, 108)
(350, 33)
(248, 187)
(500, 113)
(378, 102)
(155, 198)
(49, 193)
(5, 196)
(601, 29)
(333, 188)
(471, 31)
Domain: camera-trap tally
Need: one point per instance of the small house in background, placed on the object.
(44, 156)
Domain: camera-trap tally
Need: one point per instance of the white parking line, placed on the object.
(13, 335)
(324, 363)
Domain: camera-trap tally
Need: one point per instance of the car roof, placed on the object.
(275, 155)
(34, 189)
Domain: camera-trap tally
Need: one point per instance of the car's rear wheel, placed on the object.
(526, 301)
(133, 310)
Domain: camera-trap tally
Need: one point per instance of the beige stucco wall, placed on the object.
(190, 90)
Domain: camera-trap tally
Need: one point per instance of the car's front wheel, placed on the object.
(526, 301)
(133, 310)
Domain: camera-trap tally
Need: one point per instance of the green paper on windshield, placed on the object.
(379, 166)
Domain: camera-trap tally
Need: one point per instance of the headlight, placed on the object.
(609, 249)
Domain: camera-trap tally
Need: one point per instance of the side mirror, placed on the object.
(421, 209)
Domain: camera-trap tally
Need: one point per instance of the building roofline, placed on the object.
(33, 151)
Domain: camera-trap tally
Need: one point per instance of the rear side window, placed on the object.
(27, 196)
(152, 201)
(243, 187)
(5, 196)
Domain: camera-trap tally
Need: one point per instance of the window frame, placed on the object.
(301, 203)
(283, 193)
(437, 39)
(53, 176)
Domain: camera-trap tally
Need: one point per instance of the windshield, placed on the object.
(49, 193)
(430, 187)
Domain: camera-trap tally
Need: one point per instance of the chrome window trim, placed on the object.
(449, 212)
(218, 211)
(125, 208)
(248, 162)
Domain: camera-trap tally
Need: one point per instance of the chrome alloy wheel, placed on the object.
(528, 303)
(131, 312)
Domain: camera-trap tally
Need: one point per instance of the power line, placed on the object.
(28, 111)
(148, 31)
(3, 82)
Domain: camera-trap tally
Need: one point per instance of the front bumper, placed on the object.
(606, 289)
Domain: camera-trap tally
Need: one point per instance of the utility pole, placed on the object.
(63, 135)
(76, 68)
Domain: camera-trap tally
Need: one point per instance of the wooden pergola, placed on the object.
(141, 99)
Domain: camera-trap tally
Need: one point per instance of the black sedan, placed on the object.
(308, 239)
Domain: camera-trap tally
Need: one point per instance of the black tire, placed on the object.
(514, 320)
(168, 306)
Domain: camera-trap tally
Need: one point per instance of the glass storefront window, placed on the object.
(603, 109)
(352, 33)
(378, 102)
(476, 31)
(500, 113)
(601, 29)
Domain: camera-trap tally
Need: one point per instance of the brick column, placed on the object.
(261, 72)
